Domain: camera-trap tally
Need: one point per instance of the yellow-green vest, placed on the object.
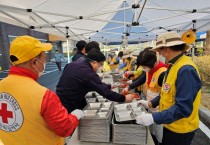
(26, 95)
(153, 86)
(167, 99)
(128, 66)
(139, 70)
(114, 66)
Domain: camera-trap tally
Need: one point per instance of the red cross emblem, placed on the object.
(4, 113)
(166, 87)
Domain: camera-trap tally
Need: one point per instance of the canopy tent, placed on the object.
(107, 20)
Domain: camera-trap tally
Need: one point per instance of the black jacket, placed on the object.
(77, 80)
(77, 55)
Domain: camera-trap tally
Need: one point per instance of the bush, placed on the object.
(203, 64)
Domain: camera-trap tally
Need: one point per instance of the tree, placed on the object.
(207, 46)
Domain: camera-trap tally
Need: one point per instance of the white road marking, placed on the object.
(205, 129)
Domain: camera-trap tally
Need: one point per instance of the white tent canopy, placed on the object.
(107, 20)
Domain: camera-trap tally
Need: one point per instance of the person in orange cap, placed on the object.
(30, 113)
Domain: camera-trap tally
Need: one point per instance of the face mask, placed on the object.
(41, 72)
(146, 69)
(162, 59)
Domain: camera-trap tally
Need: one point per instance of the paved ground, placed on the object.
(51, 77)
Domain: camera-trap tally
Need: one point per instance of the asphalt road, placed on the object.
(51, 77)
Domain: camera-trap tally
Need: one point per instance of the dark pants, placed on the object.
(58, 65)
(172, 138)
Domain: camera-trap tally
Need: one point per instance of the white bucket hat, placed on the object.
(127, 53)
(169, 39)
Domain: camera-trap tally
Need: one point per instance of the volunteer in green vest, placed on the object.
(179, 99)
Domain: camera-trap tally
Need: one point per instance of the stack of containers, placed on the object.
(124, 128)
(95, 126)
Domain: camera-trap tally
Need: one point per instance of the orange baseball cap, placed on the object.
(24, 48)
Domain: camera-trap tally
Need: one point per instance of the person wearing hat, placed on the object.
(128, 60)
(113, 60)
(152, 79)
(134, 75)
(28, 107)
(180, 94)
(80, 50)
(80, 77)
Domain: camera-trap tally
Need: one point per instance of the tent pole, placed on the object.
(103, 20)
(124, 16)
(67, 43)
(47, 22)
(169, 9)
(163, 18)
(20, 21)
(12, 8)
(203, 26)
(58, 22)
(55, 14)
(141, 11)
(112, 28)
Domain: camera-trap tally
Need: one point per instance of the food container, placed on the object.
(123, 80)
(121, 107)
(102, 114)
(128, 133)
(128, 111)
(104, 109)
(102, 100)
(99, 97)
(124, 116)
(116, 77)
(96, 128)
(94, 106)
(91, 100)
(106, 104)
(90, 113)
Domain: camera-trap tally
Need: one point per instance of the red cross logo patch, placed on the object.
(166, 87)
(11, 117)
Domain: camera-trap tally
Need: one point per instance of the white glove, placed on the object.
(78, 113)
(144, 103)
(130, 81)
(145, 119)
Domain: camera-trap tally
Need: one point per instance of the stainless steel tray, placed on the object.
(94, 106)
(90, 113)
(128, 111)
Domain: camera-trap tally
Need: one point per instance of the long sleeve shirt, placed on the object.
(77, 80)
(187, 84)
(51, 109)
(59, 57)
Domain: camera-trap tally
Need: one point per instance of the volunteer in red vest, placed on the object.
(179, 99)
(152, 79)
(30, 113)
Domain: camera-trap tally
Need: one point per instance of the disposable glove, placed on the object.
(145, 119)
(78, 113)
(129, 82)
(143, 103)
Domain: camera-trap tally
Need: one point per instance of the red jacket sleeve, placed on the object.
(56, 115)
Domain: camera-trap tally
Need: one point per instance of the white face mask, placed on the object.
(162, 59)
(41, 72)
(146, 69)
